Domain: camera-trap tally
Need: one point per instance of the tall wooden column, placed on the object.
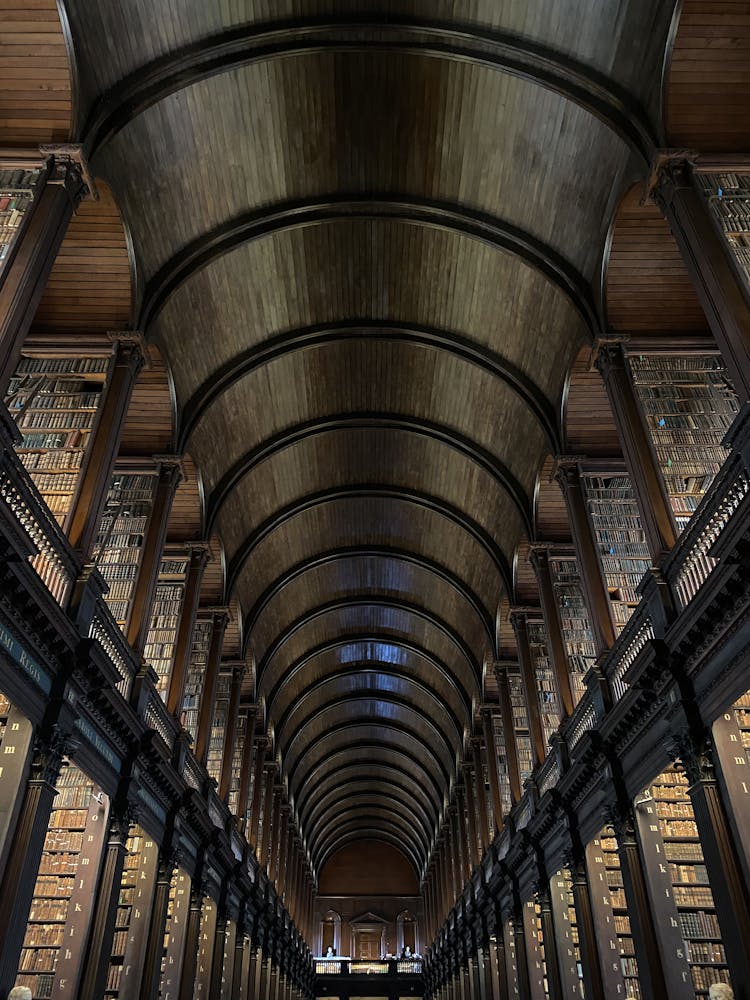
(272, 856)
(192, 940)
(563, 931)
(492, 771)
(551, 950)
(128, 358)
(199, 554)
(592, 879)
(528, 678)
(471, 815)
(61, 189)
(460, 866)
(539, 557)
(509, 731)
(22, 864)
(253, 819)
(725, 301)
(157, 924)
(593, 582)
(168, 479)
(269, 778)
(230, 736)
(640, 458)
(210, 683)
(480, 795)
(728, 886)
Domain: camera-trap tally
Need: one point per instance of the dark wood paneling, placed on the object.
(149, 427)
(368, 868)
(589, 426)
(35, 91)
(708, 86)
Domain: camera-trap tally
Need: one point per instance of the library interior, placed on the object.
(375, 481)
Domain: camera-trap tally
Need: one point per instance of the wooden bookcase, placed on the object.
(574, 618)
(165, 618)
(521, 726)
(728, 196)
(178, 910)
(54, 402)
(566, 933)
(237, 757)
(219, 726)
(196, 673)
(66, 881)
(689, 405)
(502, 762)
(621, 540)
(205, 950)
(17, 191)
(537, 966)
(511, 960)
(687, 872)
(119, 544)
(133, 916)
(549, 703)
(603, 865)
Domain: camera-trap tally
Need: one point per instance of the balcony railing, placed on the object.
(346, 966)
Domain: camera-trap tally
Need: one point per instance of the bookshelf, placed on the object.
(178, 909)
(621, 540)
(549, 703)
(689, 405)
(502, 763)
(133, 912)
(205, 949)
(511, 960)
(698, 922)
(196, 673)
(574, 618)
(65, 886)
(728, 196)
(219, 726)
(521, 726)
(566, 933)
(532, 927)
(54, 402)
(165, 618)
(17, 190)
(117, 552)
(237, 757)
(741, 709)
(603, 868)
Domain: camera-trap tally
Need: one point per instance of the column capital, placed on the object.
(608, 355)
(170, 466)
(130, 348)
(667, 172)
(69, 166)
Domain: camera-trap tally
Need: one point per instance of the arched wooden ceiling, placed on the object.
(367, 245)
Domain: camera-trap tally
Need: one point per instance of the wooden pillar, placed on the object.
(139, 622)
(99, 945)
(596, 909)
(156, 930)
(707, 258)
(199, 554)
(725, 875)
(259, 772)
(272, 864)
(491, 751)
(461, 867)
(500, 960)
(22, 864)
(640, 458)
(563, 931)
(61, 189)
(558, 654)
(551, 952)
(480, 795)
(518, 934)
(93, 483)
(217, 957)
(230, 736)
(240, 962)
(509, 731)
(243, 792)
(474, 855)
(192, 941)
(528, 678)
(269, 777)
(593, 582)
(284, 852)
(210, 683)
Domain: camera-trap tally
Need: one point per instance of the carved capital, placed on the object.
(171, 469)
(621, 818)
(696, 754)
(130, 350)
(566, 471)
(69, 168)
(609, 357)
(200, 553)
(668, 171)
(48, 756)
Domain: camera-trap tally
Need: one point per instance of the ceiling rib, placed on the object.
(406, 209)
(272, 446)
(372, 491)
(388, 331)
(384, 552)
(400, 814)
(374, 832)
(375, 775)
(463, 42)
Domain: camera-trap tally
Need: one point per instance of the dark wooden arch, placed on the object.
(402, 643)
(459, 41)
(373, 551)
(378, 804)
(353, 792)
(372, 833)
(400, 703)
(389, 774)
(372, 491)
(429, 429)
(373, 751)
(368, 822)
(438, 776)
(369, 667)
(421, 335)
(371, 601)
(403, 209)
